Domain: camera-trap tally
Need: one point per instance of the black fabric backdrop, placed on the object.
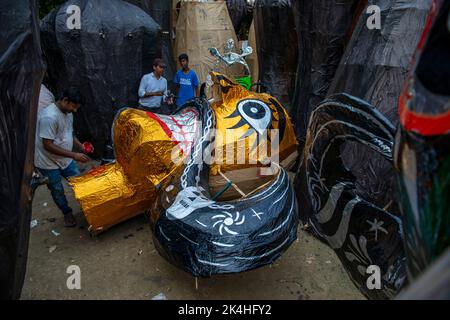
(323, 29)
(276, 40)
(159, 10)
(374, 68)
(238, 12)
(106, 59)
(21, 72)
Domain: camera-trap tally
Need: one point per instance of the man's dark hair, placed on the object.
(183, 56)
(159, 62)
(73, 95)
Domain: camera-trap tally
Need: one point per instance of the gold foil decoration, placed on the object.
(145, 144)
(249, 139)
(115, 192)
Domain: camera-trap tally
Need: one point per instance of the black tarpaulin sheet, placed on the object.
(238, 11)
(347, 183)
(323, 28)
(106, 58)
(276, 40)
(160, 10)
(374, 68)
(21, 71)
(206, 237)
(362, 234)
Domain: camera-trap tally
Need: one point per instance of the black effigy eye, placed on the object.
(254, 110)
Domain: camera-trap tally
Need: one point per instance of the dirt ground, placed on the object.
(122, 263)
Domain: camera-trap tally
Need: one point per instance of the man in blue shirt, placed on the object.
(186, 81)
(153, 88)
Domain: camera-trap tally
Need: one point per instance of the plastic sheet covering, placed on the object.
(374, 68)
(160, 11)
(422, 153)
(238, 11)
(206, 237)
(21, 72)
(323, 28)
(106, 59)
(257, 135)
(252, 59)
(276, 40)
(143, 145)
(360, 233)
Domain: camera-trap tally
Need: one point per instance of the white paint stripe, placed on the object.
(201, 224)
(212, 263)
(337, 240)
(223, 244)
(326, 213)
(370, 117)
(281, 225)
(188, 239)
(160, 230)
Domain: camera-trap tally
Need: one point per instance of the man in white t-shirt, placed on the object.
(153, 88)
(55, 140)
(46, 98)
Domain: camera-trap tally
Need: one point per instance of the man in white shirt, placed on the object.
(153, 88)
(46, 98)
(55, 140)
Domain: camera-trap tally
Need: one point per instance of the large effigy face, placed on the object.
(253, 125)
(150, 149)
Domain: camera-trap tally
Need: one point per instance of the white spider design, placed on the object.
(226, 220)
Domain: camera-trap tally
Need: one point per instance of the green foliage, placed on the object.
(45, 6)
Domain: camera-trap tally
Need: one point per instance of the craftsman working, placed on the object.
(153, 88)
(55, 140)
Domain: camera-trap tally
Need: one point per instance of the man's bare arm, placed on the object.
(77, 144)
(197, 91)
(54, 149)
(153, 94)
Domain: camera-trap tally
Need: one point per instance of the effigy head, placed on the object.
(151, 150)
(256, 122)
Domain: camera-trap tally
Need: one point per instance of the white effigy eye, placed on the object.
(256, 113)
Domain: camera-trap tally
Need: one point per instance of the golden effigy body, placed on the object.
(146, 143)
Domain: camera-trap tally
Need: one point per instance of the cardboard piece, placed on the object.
(247, 180)
(202, 25)
(252, 59)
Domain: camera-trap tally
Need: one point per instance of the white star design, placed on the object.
(375, 226)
